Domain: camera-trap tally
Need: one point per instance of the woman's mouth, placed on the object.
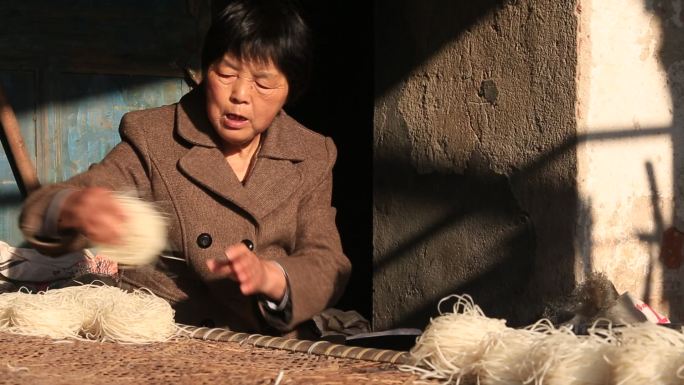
(234, 121)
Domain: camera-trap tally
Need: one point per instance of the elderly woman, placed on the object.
(247, 188)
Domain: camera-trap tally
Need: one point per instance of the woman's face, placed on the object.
(243, 98)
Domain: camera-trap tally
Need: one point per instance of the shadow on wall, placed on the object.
(653, 240)
(440, 233)
(466, 234)
(394, 38)
(671, 55)
(477, 230)
(480, 220)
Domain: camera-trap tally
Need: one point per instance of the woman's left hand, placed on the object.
(253, 274)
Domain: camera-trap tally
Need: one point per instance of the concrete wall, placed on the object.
(474, 158)
(630, 163)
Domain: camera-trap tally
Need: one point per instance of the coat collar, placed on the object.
(280, 141)
(275, 176)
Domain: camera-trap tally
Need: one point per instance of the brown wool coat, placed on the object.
(169, 155)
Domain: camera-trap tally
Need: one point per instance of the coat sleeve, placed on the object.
(124, 168)
(317, 269)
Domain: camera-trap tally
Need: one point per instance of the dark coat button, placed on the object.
(204, 240)
(249, 244)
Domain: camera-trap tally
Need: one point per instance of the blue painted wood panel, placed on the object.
(72, 68)
(70, 123)
(83, 115)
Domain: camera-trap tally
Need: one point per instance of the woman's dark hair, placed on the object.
(262, 31)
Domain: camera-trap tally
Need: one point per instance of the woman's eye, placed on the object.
(227, 76)
(264, 86)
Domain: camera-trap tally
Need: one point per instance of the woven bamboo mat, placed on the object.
(301, 346)
(33, 360)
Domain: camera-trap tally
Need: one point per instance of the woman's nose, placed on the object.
(240, 90)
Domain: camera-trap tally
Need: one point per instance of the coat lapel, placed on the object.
(275, 176)
(272, 182)
(208, 168)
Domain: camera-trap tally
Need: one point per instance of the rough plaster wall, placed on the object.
(671, 51)
(630, 163)
(474, 187)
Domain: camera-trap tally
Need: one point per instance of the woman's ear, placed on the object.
(192, 77)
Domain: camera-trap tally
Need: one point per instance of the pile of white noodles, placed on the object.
(453, 344)
(562, 357)
(91, 312)
(144, 235)
(505, 356)
(649, 354)
(465, 346)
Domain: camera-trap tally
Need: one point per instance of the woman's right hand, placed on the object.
(93, 212)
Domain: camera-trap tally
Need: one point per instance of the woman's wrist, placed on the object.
(275, 283)
(68, 217)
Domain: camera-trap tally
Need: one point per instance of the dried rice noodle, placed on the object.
(55, 316)
(6, 301)
(145, 233)
(505, 360)
(90, 312)
(134, 318)
(467, 346)
(563, 358)
(453, 344)
(649, 354)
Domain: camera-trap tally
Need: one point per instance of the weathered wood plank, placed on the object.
(72, 68)
(20, 87)
(83, 115)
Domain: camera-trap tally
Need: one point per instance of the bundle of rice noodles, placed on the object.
(453, 344)
(562, 357)
(90, 312)
(137, 317)
(144, 236)
(48, 315)
(6, 301)
(505, 359)
(649, 354)
(465, 345)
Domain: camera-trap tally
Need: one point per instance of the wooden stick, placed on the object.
(24, 171)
